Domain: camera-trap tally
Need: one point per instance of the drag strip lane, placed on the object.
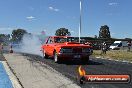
(95, 66)
(35, 74)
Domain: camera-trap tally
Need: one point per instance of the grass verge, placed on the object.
(114, 54)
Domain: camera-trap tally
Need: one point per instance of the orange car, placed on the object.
(65, 48)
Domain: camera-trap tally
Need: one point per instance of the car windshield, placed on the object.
(67, 39)
(115, 44)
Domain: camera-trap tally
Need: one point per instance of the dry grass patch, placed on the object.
(114, 54)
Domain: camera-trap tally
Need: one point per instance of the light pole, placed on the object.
(80, 22)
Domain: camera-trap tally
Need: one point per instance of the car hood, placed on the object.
(72, 44)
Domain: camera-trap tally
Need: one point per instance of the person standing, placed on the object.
(103, 48)
(129, 45)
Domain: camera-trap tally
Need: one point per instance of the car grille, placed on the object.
(77, 50)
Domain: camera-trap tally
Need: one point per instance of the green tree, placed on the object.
(18, 34)
(104, 32)
(62, 32)
(4, 38)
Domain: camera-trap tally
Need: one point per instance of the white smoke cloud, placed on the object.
(30, 44)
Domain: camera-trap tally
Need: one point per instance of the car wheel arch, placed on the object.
(54, 51)
(45, 55)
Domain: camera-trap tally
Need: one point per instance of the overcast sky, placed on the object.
(49, 15)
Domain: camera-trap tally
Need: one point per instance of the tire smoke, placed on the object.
(30, 44)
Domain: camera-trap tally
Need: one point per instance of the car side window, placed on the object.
(50, 41)
(120, 45)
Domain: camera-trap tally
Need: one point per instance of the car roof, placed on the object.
(61, 36)
(117, 42)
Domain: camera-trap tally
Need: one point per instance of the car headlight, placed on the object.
(86, 50)
(66, 50)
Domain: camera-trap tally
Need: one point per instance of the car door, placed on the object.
(49, 47)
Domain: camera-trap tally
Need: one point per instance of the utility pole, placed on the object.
(80, 23)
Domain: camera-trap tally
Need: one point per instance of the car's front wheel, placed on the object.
(56, 58)
(44, 54)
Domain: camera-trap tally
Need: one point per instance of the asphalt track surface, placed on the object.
(95, 66)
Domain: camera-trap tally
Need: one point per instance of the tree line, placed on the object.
(17, 34)
(103, 33)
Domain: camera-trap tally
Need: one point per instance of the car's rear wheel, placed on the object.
(56, 58)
